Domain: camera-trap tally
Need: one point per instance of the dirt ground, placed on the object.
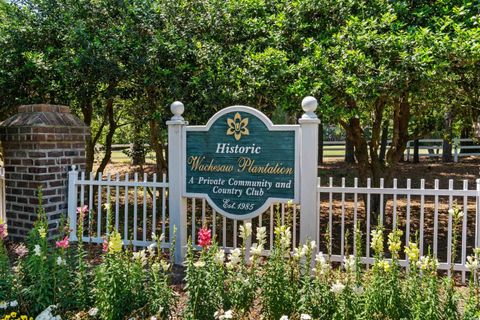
(467, 168)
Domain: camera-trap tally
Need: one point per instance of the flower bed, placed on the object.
(58, 281)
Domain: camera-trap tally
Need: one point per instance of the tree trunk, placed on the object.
(416, 148)
(112, 126)
(447, 139)
(158, 147)
(383, 144)
(320, 143)
(92, 140)
(138, 148)
(349, 151)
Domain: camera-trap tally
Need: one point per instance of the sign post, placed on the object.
(309, 123)
(176, 202)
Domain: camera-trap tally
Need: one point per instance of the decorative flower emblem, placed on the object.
(237, 127)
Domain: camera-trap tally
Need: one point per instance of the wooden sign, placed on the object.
(241, 162)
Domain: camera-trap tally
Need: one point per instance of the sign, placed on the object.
(241, 162)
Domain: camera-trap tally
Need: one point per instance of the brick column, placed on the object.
(40, 143)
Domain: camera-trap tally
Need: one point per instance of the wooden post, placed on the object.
(309, 123)
(177, 203)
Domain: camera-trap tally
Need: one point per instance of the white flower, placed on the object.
(313, 245)
(428, 263)
(245, 230)
(60, 261)
(47, 314)
(93, 312)
(219, 257)
(337, 287)
(283, 317)
(298, 253)
(228, 315)
(37, 250)
(305, 316)
(322, 264)
(349, 263)
(261, 235)
(472, 263)
(151, 249)
(3, 305)
(358, 289)
(451, 211)
(153, 318)
(14, 303)
(235, 258)
(156, 238)
(256, 249)
(165, 265)
(199, 264)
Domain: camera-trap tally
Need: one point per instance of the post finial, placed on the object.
(309, 105)
(177, 109)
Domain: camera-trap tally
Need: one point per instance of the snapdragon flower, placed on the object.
(337, 287)
(394, 242)
(235, 258)
(377, 241)
(472, 263)
(37, 250)
(219, 257)
(413, 252)
(246, 230)
(349, 263)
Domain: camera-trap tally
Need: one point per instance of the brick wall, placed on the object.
(40, 143)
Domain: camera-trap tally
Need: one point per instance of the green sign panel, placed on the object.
(241, 163)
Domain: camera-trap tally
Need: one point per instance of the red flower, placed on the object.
(204, 237)
(63, 243)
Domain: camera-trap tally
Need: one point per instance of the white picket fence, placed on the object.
(413, 210)
(139, 206)
(3, 211)
(96, 192)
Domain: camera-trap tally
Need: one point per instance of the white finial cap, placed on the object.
(177, 109)
(309, 105)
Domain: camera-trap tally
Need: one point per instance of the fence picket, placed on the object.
(135, 205)
(117, 201)
(449, 232)
(407, 231)
(422, 215)
(464, 229)
(435, 222)
(99, 207)
(355, 210)
(144, 215)
(125, 226)
(394, 213)
(367, 213)
(342, 240)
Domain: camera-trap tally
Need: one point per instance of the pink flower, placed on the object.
(82, 210)
(105, 246)
(3, 230)
(63, 243)
(204, 237)
(20, 250)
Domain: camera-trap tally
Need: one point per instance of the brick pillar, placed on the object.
(40, 143)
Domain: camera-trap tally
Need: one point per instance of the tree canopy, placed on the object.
(371, 64)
